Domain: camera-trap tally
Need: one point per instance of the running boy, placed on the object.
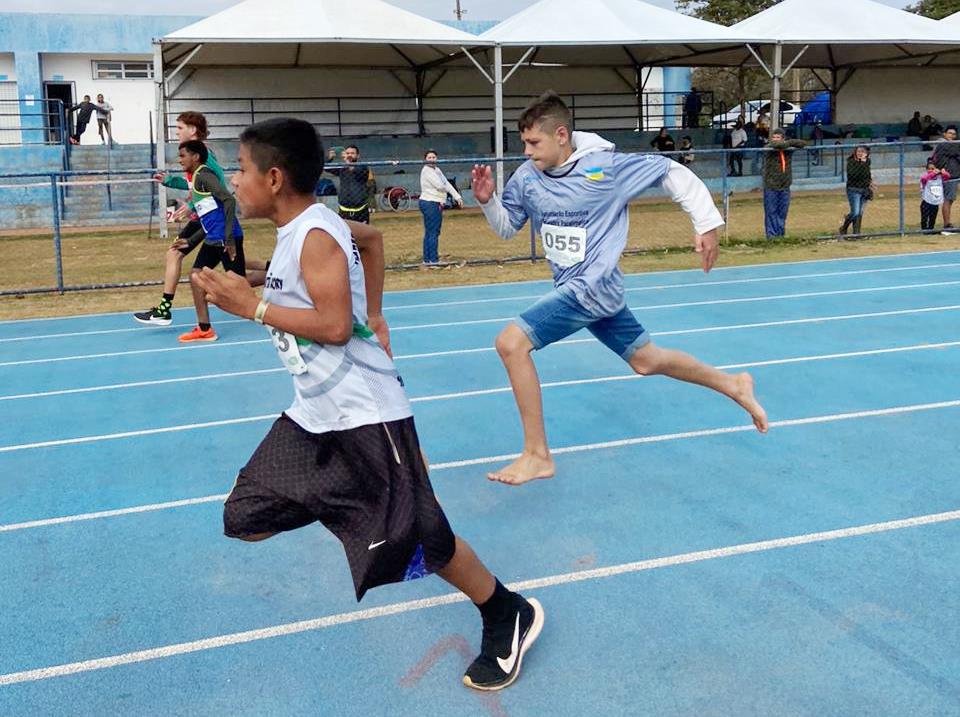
(346, 452)
(219, 231)
(575, 189)
(190, 126)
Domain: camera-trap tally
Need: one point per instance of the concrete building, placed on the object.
(67, 56)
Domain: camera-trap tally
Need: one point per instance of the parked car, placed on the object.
(752, 109)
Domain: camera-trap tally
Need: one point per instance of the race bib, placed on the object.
(564, 246)
(205, 206)
(289, 352)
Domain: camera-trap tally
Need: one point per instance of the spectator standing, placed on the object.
(84, 110)
(663, 142)
(434, 188)
(355, 182)
(859, 188)
(946, 155)
(104, 119)
(738, 140)
(777, 178)
(692, 106)
(931, 191)
(914, 126)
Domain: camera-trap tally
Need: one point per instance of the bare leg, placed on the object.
(199, 300)
(171, 273)
(947, 206)
(651, 360)
(535, 462)
(466, 573)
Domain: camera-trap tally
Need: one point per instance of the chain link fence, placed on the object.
(88, 240)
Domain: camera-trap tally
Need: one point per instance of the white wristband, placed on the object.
(261, 310)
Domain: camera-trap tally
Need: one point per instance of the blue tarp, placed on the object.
(815, 110)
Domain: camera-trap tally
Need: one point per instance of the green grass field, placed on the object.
(657, 227)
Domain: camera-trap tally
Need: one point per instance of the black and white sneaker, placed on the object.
(948, 229)
(154, 317)
(504, 645)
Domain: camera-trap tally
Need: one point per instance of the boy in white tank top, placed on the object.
(346, 452)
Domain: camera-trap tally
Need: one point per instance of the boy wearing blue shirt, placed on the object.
(575, 190)
(216, 211)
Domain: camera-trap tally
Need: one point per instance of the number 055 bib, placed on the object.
(564, 246)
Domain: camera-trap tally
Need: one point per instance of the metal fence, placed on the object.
(34, 121)
(406, 115)
(61, 260)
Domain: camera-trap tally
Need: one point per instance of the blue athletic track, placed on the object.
(687, 564)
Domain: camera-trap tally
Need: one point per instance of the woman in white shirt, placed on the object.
(434, 188)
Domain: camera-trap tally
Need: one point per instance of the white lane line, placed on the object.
(479, 392)
(131, 434)
(100, 332)
(710, 302)
(488, 349)
(681, 272)
(724, 367)
(404, 292)
(606, 445)
(45, 522)
(662, 438)
(491, 321)
(112, 354)
(655, 287)
(691, 285)
(140, 384)
(293, 628)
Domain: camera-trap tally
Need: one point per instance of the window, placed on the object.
(122, 70)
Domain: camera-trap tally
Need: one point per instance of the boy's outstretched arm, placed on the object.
(503, 222)
(688, 190)
(370, 243)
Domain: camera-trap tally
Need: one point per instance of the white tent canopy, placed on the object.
(859, 32)
(953, 20)
(611, 33)
(362, 33)
(357, 34)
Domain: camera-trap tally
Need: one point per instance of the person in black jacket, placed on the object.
(84, 110)
(859, 187)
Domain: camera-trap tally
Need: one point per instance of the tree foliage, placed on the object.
(726, 12)
(935, 9)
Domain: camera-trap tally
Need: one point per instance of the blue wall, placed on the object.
(28, 35)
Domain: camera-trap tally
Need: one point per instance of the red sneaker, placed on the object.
(198, 335)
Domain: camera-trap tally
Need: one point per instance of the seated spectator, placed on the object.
(914, 126)
(663, 142)
(930, 128)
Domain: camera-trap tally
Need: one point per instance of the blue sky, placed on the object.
(437, 9)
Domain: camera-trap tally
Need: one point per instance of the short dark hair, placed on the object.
(352, 146)
(195, 146)
(950, 127)
(290, 145)
(429, 151)
(548, 111)
(195, 119)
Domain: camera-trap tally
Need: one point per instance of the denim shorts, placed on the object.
(559, 314)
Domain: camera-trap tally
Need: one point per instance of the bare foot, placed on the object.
(743, 394)
(526, 468)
